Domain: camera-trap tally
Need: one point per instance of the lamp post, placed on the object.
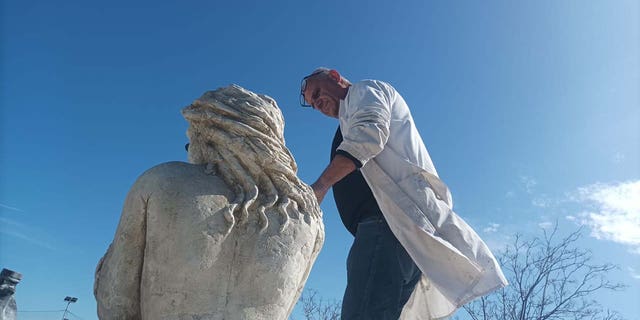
(69, 300)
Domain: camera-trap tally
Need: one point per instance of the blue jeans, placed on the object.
(380, 274)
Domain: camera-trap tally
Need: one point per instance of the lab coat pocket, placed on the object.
(415, 189)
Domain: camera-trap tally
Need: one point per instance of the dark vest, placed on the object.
(354, 199)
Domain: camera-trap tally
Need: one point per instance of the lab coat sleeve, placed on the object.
(368, 117)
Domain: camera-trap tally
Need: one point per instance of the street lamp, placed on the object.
(69, 301)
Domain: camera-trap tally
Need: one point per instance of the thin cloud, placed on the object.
(546, 224)
(633, 273)
(9, 222)
(493, 227)
(22, 232)
(497, 241)
(543, 201)
(612, 213)
(618, 157)
(529, 183)
(21, 236)
(4, 206)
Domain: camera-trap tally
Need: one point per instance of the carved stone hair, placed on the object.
(239, 135)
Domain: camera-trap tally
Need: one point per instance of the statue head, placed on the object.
(239, 135)
(8, 281)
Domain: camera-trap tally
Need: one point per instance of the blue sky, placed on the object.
(530, 111)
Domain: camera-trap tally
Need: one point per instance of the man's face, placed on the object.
(324, 95)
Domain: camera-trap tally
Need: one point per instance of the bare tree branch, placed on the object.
(550, 279)
(315, 307)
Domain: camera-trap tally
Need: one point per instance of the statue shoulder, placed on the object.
(179, 177)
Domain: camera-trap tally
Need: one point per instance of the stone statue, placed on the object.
(8, 281)
(231, 235)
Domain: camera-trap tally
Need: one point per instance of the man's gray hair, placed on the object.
(325, 71)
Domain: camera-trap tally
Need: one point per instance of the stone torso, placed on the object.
(231, 235)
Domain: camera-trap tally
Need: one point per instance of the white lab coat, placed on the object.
(457, 266)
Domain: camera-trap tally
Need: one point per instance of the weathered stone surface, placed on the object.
(8, 281)
(231, 235)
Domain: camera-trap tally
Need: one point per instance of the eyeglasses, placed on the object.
(303, 86)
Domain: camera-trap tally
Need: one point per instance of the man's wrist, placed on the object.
(319, 185)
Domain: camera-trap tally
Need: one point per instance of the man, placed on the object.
(380, 139)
